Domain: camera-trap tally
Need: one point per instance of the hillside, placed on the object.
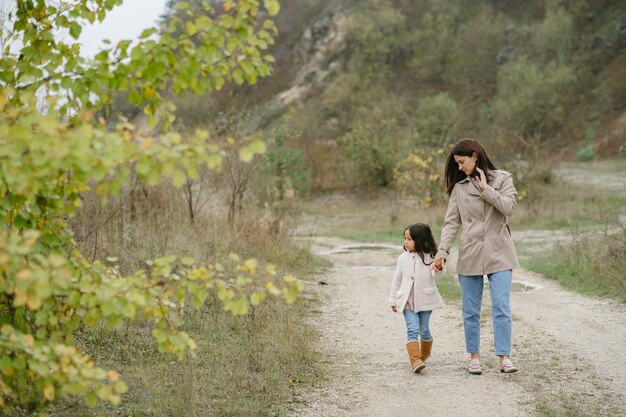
(359, 86)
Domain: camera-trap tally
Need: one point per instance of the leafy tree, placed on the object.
(374, 144)
(53, 148)
(553, 38)
(376, 34)
(284, 176)
(436, 121)
(532, 99)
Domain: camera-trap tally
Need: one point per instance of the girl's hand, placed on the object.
(394, 309)
(482, 178)
(438, 264)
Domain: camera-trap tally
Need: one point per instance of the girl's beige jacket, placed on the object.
(410, 270)
(485, 245)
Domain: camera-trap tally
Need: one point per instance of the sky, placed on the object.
(123, 22)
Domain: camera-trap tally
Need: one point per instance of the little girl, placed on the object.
(414, 291)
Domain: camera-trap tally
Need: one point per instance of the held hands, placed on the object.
(481, 178)
(438, 264)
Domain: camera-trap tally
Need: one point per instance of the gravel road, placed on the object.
(568, 348)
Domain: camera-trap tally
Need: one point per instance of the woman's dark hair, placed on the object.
(466, 147)
(424, 240)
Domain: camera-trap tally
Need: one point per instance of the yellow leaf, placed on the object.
(20, 297)
(245, 154)
(48, 392)
(34, 303)
(289, 279)
(29, 340)
(271, 269)
(24, 274)
(148, 92)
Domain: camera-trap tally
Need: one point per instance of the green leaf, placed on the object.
(238, 76)
(91, 400)
(179, 178)
(272, 6)
(191, 29)
(75, 30)
(147, 33)
(257, 297)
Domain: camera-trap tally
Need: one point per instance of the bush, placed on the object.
(436, 121)
(419, 176)
(533, 100)
(374, 145)
(587, 152)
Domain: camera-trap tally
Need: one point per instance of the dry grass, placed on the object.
(244, 365)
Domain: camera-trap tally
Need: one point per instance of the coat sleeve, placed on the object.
(395, 284)
(504, 200)
(451, 225)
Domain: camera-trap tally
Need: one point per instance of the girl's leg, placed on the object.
(424, 323)
(412, 325)
(472, 296)
(500, 288)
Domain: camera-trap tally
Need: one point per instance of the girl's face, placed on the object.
(409, 244)
(467, 164)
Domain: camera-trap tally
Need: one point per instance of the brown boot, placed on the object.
(413, 348)
(426, 346)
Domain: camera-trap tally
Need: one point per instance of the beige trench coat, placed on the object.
(485, 245)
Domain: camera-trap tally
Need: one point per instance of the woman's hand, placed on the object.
(482, 178)
(394, 309)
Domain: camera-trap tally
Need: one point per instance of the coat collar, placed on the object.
(472, 187)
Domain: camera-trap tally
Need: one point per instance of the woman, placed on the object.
(481, 199)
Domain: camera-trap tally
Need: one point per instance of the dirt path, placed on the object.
(569, 349)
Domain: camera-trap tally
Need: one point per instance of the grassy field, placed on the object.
(244, 365)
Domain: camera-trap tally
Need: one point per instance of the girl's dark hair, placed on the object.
(424, 240)
(466, 147)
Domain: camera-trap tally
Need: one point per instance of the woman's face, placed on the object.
(409, 244)
(467, 164)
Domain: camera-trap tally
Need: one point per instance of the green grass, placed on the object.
(391, 235)
(449, 288)
(587, 266)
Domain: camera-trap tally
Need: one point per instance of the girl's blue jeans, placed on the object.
(417, 325)
(472, 295)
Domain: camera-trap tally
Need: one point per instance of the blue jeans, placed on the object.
(417, 324)
(472, 295)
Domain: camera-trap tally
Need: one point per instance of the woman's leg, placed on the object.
(472, 296)
(424, 324)
(412, 325)
(500, 288)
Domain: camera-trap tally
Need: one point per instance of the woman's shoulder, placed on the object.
(500, 173)
(499, 176)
